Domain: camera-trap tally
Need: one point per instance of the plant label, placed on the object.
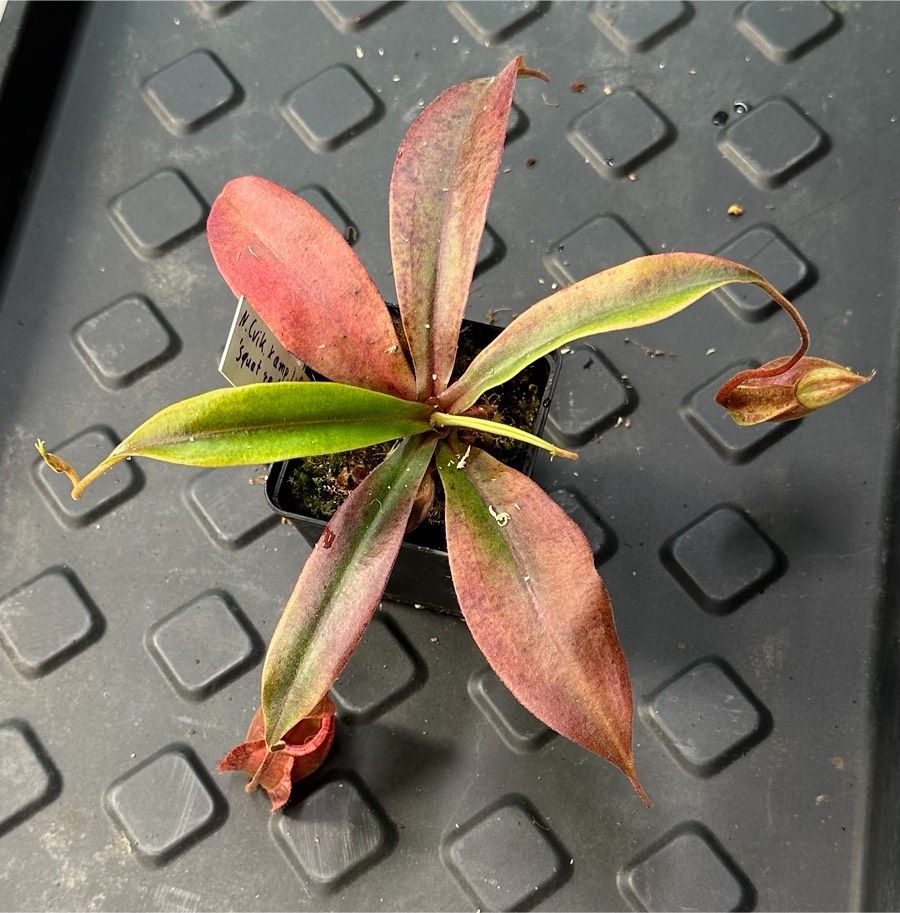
(253, 355)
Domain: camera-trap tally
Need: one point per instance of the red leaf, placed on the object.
(524, 574)
(306, 283)
(443, 176)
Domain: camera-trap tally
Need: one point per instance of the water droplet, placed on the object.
(720, 118)
(741, 107)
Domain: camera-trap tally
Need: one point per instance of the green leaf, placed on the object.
(442, 180)
(633, 294)
(443, 420)
(340, 587)
(307, 285)
(524, 574)
(262, 423)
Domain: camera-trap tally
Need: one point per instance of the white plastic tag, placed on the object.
(253, 355)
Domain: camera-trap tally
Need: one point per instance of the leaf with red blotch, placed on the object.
(524, 574)
(305, 282)
(305, 748)
(340, 587)
(442, 180)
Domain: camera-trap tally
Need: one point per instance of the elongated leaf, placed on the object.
(261, 423)
(633, 294)
(443, 420)
(306, 283)
(443, 176)
(339, 589)
(525, 578)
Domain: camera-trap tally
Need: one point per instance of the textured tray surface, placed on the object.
(746, 566)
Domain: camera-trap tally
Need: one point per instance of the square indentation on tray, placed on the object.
(165, 804)
(331, 108)
(506, 857)
(202, 646)
(215, 9)
(764, 249)
(46, 621)
(352, 15)
(639, 26)
(84, 451)
(686, 869)
(230, 505)
(772, 143)
(125, 341)
(190, 92)
(722, 559)
(519, 729)
(158, 214)
(334, 833)
(786, 31)
(734, 443)
(496, 21)
(598, 244)
(590, 395)
(620, 133)
(707, 717)
(383, 670)
(29, 778)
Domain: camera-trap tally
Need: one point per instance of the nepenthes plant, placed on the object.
(522, 569)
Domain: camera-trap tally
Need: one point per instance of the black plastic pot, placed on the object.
(421, 575)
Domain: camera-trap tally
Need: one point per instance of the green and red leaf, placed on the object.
(340, 588)
(632, 294)
(307, 285)
(262, 423)
(443, 176)
(524, 574)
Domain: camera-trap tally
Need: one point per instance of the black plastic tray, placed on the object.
(753, 572)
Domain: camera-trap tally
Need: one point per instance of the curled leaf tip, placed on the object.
(523, 71)
(58, 464)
